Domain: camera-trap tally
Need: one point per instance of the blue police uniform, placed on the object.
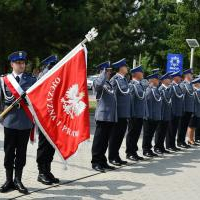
(121, 88)
(188, 110)
(154, 103)
(105, 117)
(177, 112)
(138, 113)
(195, 119)
(17, 126)
(166, 113)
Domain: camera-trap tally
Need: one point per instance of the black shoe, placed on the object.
(195, 144)
(171, 149)
(49, 174)
(132, 157)
(7, 186)
(148, 154)
(165, 151)
(44, 178)
(20, 187)
(182, 145)
(197, 141)
(115, 162)
(53, 178)
(174, 149)
(154, 154)
(98, 168)
(158, 151)
(187, 146)
(177, 149)
(18, 183)
(139, 157)
(107, 166)
(123, 162)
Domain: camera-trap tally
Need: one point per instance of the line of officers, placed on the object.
(165, 107)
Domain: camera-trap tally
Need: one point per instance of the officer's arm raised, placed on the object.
(100, 81)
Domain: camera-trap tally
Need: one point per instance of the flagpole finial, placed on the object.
(91, 35)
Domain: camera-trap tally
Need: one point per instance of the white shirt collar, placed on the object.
(120, 75)
(15, 74)
(136, 80)
(174, 82)
(166, 87)
(187, 81)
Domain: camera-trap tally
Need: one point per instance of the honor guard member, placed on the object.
(197, 131)
(121, 88)
(145, 83)
(188, 91)
(138, 108)
(195, 119)
(154, 102)
(166, 112)
(17, 125)
(45, 151)
(177, 111)
(105, 117)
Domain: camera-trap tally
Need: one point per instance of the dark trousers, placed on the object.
(197, 130)
(45, 151)
(15, 147)
(134, 131)
(182, 130)
(160, 135)
(172, 131)
(116, 138)
(197, 133)
(150, 127)
(100, 141)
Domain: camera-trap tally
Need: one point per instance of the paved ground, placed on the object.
(173, 177)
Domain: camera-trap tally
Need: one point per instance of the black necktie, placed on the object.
(17, 79)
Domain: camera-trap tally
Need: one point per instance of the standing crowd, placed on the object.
(166, 107)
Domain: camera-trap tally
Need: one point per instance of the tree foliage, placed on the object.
(128, 28)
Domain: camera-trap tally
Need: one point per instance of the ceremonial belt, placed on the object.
(17, 91)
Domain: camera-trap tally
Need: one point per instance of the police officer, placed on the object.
(138, 108)
(177, 111)
(188, 91)
(197, 131)
(105, 117)
(121, 88)
(166, 111)
(17, 126)
(154, 102)
(45, 151)
(195, 118)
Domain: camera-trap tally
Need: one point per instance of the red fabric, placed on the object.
(22, 103)
(46, 102)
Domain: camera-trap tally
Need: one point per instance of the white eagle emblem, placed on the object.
(175, 61)
(72, 103)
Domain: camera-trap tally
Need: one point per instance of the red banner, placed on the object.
(59, 103)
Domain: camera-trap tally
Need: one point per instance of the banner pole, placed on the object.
(9, 108)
